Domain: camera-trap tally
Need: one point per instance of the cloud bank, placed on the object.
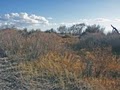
(25, 20)
(22, 20)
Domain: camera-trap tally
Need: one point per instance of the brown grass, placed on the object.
(69, 68)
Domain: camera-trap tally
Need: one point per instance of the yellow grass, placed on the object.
(70, 68)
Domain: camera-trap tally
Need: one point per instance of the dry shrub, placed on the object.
(10, 41)
(37, 44)
(101, 63)
(29, 46)
(103, 83)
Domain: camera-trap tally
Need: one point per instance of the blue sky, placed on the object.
(64, 11)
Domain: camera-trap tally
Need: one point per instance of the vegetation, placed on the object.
(84, 60)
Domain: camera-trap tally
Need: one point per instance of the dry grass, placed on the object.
(68, 70)
(55, 64)
(63, 69)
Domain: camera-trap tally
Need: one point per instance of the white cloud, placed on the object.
(117, 20)
(104, 22)
(22, 20)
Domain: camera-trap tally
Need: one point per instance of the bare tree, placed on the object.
(116, 30)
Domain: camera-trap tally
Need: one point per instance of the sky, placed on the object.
(47, 14)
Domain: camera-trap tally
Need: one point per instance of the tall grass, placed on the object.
(95, 71)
